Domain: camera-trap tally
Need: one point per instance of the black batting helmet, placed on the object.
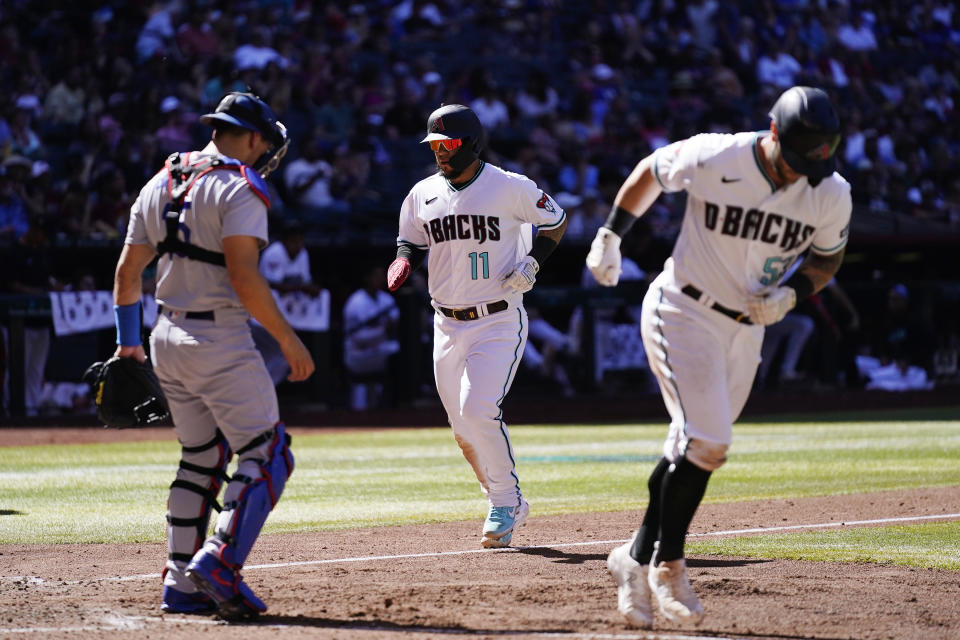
(809, 131)
(250, 112)
(456, 121)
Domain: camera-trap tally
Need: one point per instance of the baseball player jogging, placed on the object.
(205, 214)
(475, 221)
(756, 201)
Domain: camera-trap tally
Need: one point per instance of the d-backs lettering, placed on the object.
(464, 226)
(754, 224)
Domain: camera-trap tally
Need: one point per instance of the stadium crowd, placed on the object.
(93, 97)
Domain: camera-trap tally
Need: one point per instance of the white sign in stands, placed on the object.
(81, 311)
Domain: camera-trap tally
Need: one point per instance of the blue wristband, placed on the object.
(127, 318)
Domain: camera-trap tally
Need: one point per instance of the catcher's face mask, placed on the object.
(269, 161)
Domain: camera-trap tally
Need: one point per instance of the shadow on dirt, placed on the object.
(385, 626)
(560, 556)
(701, 563)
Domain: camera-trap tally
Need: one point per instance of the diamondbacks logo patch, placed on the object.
(545, 203)
(437, 125)
(820, 152)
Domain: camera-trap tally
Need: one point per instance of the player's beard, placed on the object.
(456, 165)
(449, 172)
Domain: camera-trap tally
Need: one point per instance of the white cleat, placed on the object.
(671, 588)
(633, 592)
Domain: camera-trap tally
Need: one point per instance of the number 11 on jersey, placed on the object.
(484, 258)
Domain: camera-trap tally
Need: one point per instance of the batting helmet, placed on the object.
(809, 131)
(456, 121)
(250, 112)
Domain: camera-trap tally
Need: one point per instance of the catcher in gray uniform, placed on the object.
(205, 214)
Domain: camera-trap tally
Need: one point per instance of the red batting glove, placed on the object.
(397, 273)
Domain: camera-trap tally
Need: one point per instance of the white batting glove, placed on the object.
(520, 279)
(604, 257)
(771, 308)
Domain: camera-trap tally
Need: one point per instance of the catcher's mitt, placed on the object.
(127, 393)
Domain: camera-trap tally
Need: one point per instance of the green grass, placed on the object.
(117, 492)
(931, 546)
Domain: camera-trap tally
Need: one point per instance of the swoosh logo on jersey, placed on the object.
(432, 199)
(726, 180)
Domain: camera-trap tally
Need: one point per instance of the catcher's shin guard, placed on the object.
(265, 464)
(193, 495)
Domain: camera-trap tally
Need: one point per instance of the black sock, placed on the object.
(643, 544)
(683, 487)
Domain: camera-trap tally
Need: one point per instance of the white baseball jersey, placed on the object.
(220, 204)
(475, 232)
(278, 267)
(740, 234)
(366, 318)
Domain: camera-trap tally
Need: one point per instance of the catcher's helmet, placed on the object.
(456, 121)
(809, 131)
(250, 112)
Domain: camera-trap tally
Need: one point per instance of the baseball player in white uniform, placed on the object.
(369, 316)
(285, 264)
(756, 201)
(205, 213)
(475, 221)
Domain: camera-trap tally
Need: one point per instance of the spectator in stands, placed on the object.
(196, 38)
(308, 180)
(23, 139)
(14, 221)
(538, 97)
(258, 52)
(403, 118)
(108, 207)
(156, 38)
(175, 133)
(776, 67)
(488, 106)
(65, 105)
(857, 34)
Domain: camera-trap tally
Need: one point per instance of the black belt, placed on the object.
(472, 313)
(191, 315)
(738, 316)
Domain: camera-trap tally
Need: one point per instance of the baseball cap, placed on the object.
(809, 131)
(169, 104)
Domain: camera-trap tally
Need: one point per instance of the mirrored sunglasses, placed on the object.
(449, 145)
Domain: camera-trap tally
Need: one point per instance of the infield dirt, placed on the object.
(432, 581)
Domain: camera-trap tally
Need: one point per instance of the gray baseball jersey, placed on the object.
(219, 205)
